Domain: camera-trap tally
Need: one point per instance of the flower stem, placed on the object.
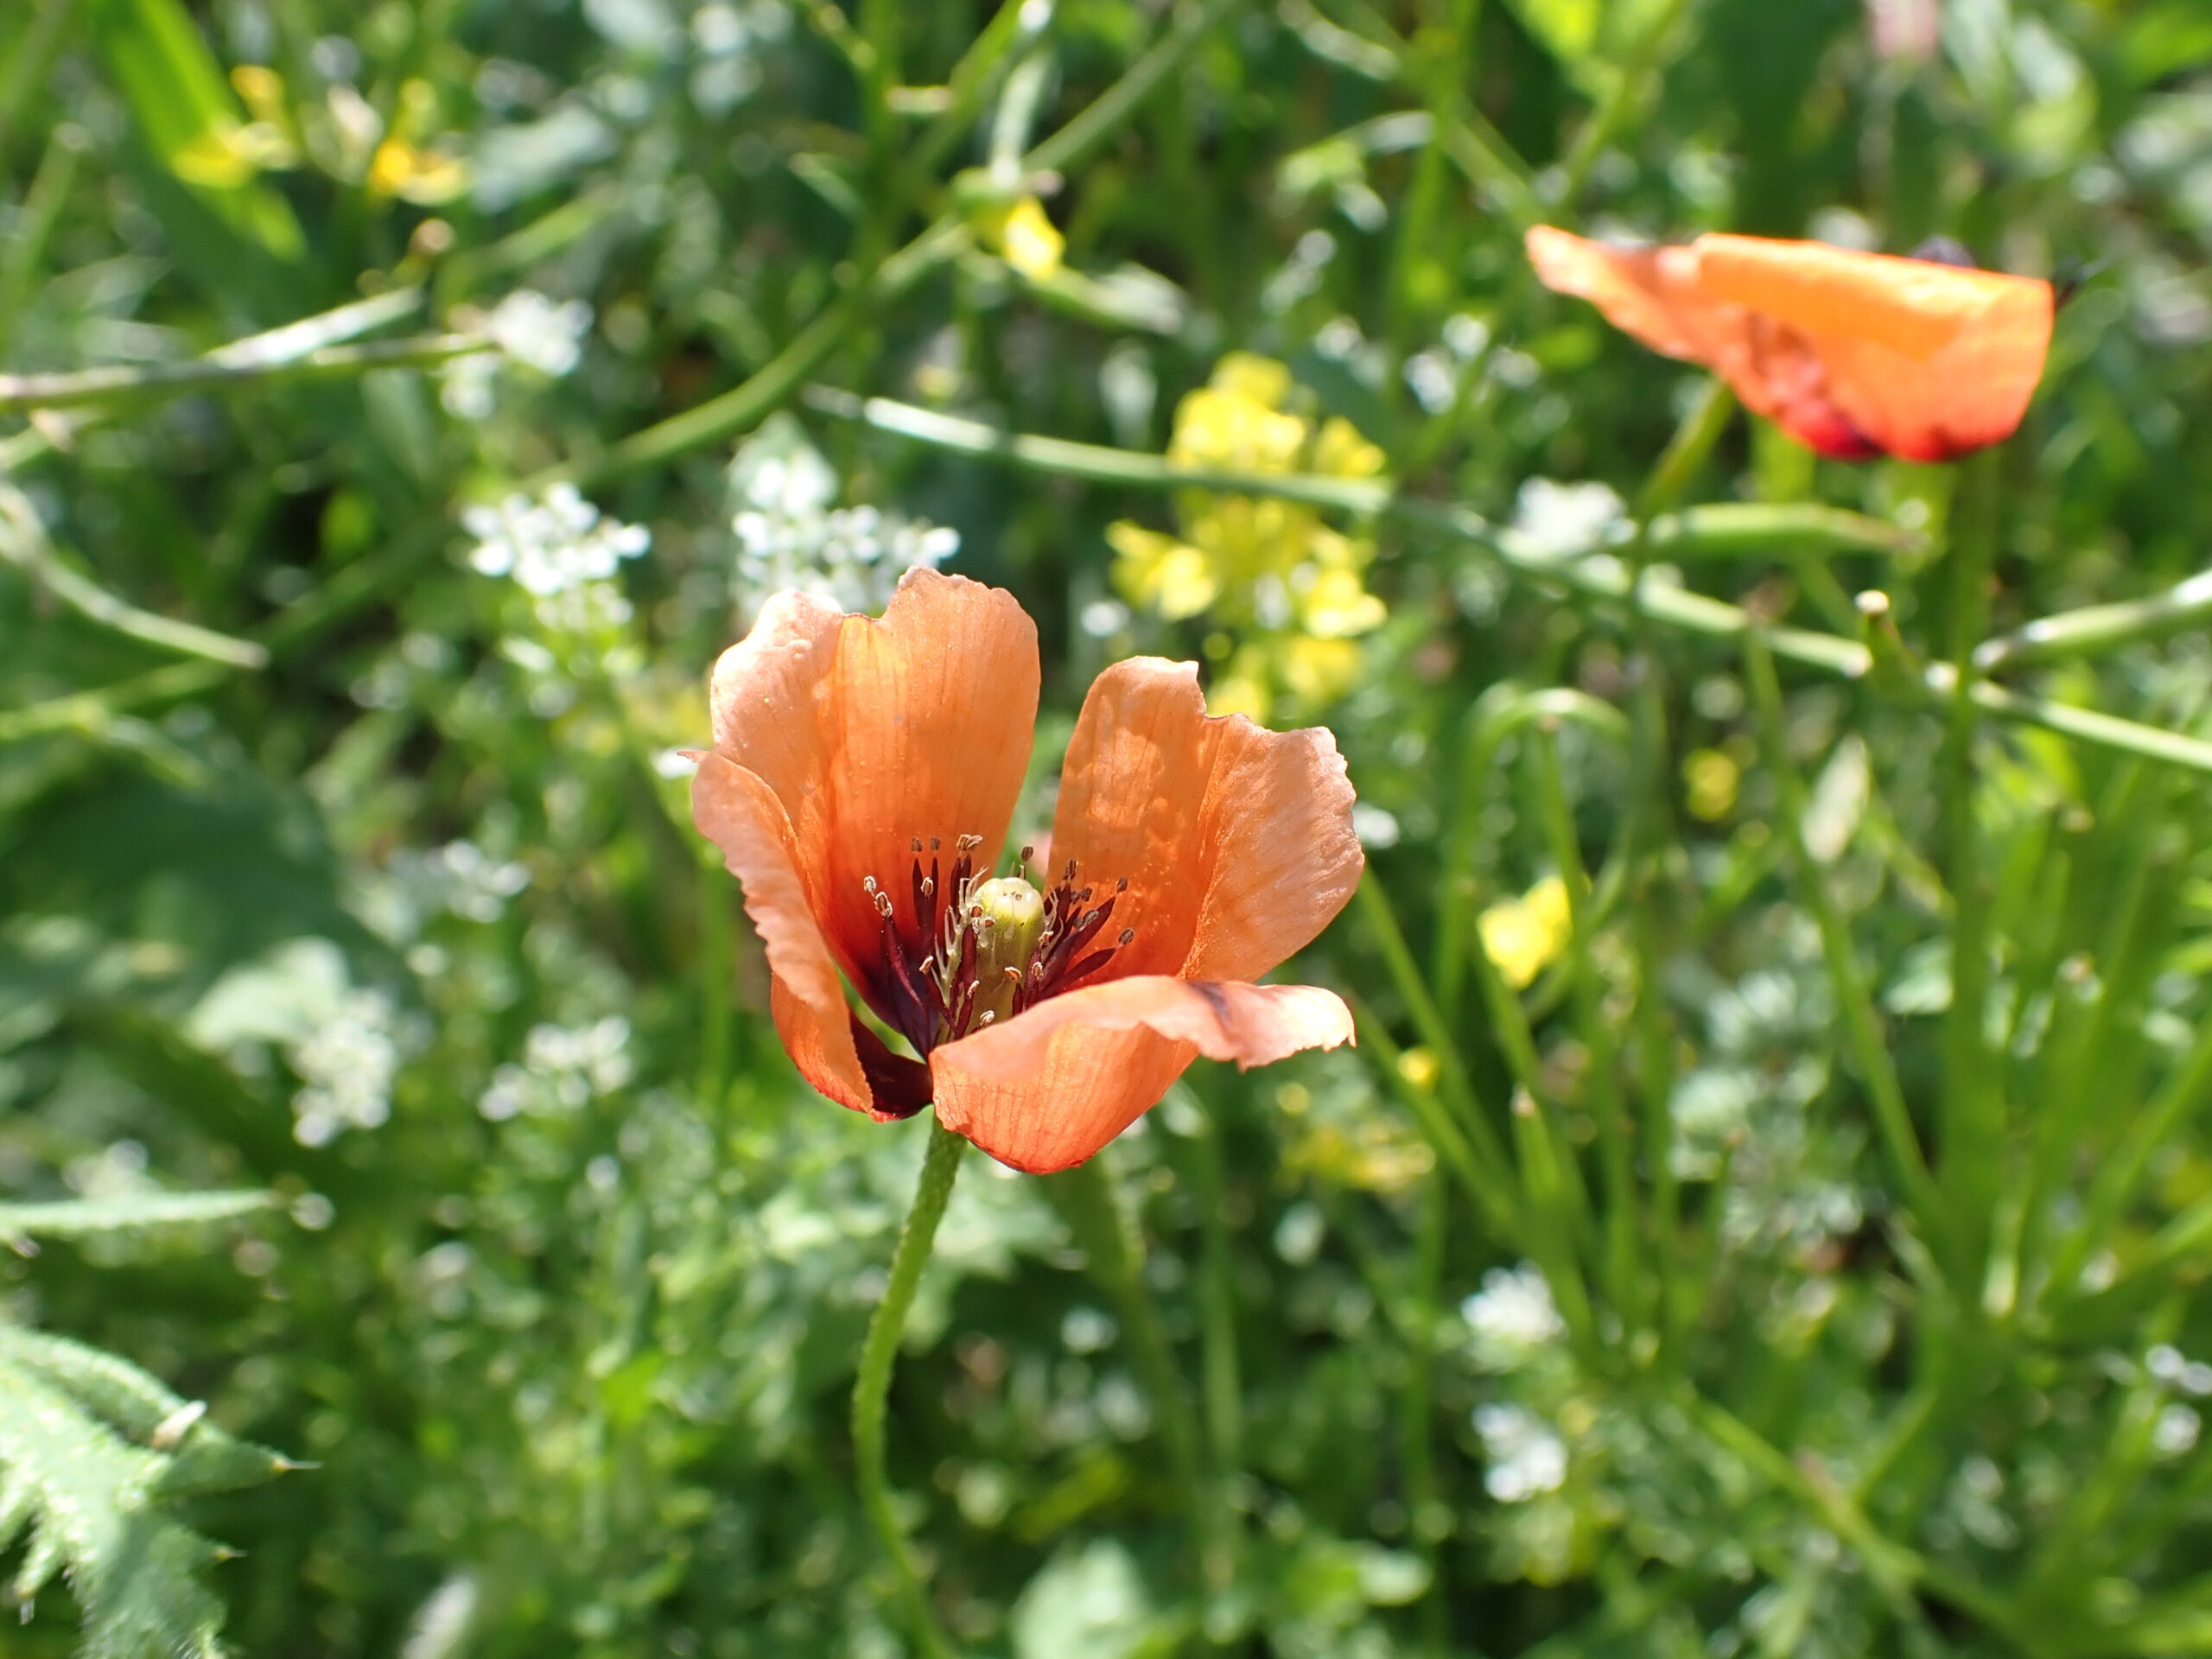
(878, 1353)
(1108, 1238)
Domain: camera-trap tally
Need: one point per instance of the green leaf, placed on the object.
(200, 1457)
(131, 1569)
(80, 1217)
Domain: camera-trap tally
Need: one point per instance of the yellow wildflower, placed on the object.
(1162, 574)
(403, 168)
(1023, 235)
(1257, 379)
(421, 176)
(1522, 936)
(1341, 452)
(1316, 672)
(1711, 777)
(1333, 603)
(1419, 1067)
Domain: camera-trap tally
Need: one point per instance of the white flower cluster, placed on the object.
(345, 1043)
(541, 335)
(1556, 520)
(1526, 1457)
(563, 1070)
(789, 537)
(348, 1066)
(460, 877)
(547, 335)
(1512, 1318)
(559, 550)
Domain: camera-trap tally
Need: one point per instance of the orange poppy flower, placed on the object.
(1854, 354)
(860, 787)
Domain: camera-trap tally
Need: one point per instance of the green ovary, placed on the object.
(1015, 914)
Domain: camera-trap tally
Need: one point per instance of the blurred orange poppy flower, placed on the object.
(1854, 354)
(860, 787)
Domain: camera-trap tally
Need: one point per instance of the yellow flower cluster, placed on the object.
(1289, 591)
(347, 139)
(1523, 936)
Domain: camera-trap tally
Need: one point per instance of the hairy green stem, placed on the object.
(871, 1388)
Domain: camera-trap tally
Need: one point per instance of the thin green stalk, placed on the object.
(1623, 1255)
(35, 51)
(1692, 441)
(1106, 113)
(871, 1388)
(979, 70)
(1592, 572)
(1862, 1025)
(1895, 1569)
(23, 544)
(715, 954)
(1222, 1379)
(2067, 1551)
(1501, 710)
(287, 344)
(1641, 60)
(152, 382)
(1381, 924)
(2096, 629)
(1971, 1119)
(2187, 1090)
(1468, 139)
(1487, 1182)
(1108, 1235)
(2082, 1038)
(1415, 1446)
(1418, 224)
(43, 204)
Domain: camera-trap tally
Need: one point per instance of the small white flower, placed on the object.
(1553, 520)
(554, 546)
(563, 1071)
(2176, 1431)
(1526, 1457)
(1434, 379)
(348, 1066)
(539, 333)
(789, 536)
(1512, 1317)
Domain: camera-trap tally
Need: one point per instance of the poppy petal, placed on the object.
(1853, 353)
(1930, 359)
(1657, 296)
(873, 733)
(738, 812)
(1236, 841)
(1051, 1086)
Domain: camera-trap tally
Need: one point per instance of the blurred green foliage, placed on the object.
(1802, 1261)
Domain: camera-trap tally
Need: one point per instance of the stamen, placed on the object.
(983, 951)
